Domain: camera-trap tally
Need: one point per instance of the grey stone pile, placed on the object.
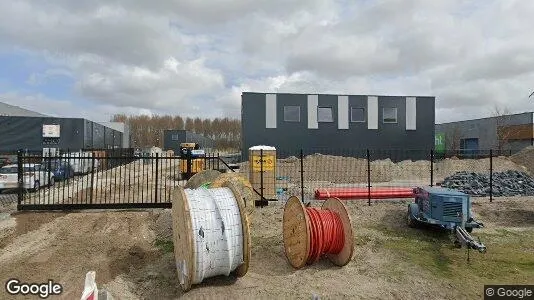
(505, 184)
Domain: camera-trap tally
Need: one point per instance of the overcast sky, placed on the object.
(194, 58)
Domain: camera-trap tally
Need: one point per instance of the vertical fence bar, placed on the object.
(189, 166)
(261, 177)
(432, 167)
(164, 175)
(92, 177)
(491, 175)
(125, 162)
(149, 172)
(20, 180)
(368, 177)
(139, 178)
(156, 181)
(49, 175)
(119, 165)
(301, 175)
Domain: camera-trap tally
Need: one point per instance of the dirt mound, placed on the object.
(525, 158)
(339, 169)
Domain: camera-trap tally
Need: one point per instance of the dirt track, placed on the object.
(132, 256)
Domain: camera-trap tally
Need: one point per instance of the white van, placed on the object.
(80, 161)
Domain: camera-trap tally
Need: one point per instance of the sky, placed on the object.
(96, 58)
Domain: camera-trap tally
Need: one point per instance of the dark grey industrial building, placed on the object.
(173, 138)
(323, 121)
(38, 133)
(506, 132)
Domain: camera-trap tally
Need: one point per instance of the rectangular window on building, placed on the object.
(292, 113)
(175, 137)
(389, 115)
(357, 114)
(324, 114)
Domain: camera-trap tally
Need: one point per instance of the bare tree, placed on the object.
(502, 126)
(147, 131)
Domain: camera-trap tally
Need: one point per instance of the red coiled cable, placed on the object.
(326, 233)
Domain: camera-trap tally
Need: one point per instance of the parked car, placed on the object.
(8, 160)
(62, 170)
(34, 176)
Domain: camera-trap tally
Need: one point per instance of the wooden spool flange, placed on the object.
(343, 257)
(297, 233)
(184, 252)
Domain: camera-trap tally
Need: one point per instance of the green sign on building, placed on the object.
(439, 142)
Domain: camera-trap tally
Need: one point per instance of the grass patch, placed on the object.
(165, 246)
(509, 256)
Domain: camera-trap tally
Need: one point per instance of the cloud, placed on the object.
(197, 57)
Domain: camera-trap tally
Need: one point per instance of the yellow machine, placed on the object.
(193, 160)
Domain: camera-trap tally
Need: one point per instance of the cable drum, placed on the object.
(310, 233)
(211, 233)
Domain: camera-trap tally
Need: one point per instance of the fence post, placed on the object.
(92, 177)
(20, 180)
(431, 167)
(491, 175)
(156, 183)
(189, 161)
(301, 176)
(368, 177)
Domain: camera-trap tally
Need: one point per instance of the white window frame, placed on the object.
(396, 115)
(295, 121)
(331, 114)
(352, 119)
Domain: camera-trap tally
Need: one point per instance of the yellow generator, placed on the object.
(192, 159)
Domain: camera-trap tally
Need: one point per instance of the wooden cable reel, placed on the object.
(185, 251)
(297, 232)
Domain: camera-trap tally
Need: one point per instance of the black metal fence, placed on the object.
(104, 179)
(120, 178)
(389, 174)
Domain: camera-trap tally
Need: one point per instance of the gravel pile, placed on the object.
(505, 184)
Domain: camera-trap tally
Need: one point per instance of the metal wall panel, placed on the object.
(411, 113)
(372, 112)
(343, 112)
(313, 102)
(270, 111)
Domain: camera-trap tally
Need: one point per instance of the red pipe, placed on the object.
(363, 193)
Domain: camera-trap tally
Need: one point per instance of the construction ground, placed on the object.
(132, 254)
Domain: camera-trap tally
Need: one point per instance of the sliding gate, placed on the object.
(111, 180)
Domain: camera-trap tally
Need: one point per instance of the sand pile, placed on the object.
(339, 169)
(525, 158)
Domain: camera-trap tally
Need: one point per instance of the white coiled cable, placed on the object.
(217, 232)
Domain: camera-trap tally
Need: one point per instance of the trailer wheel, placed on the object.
(469, 229)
